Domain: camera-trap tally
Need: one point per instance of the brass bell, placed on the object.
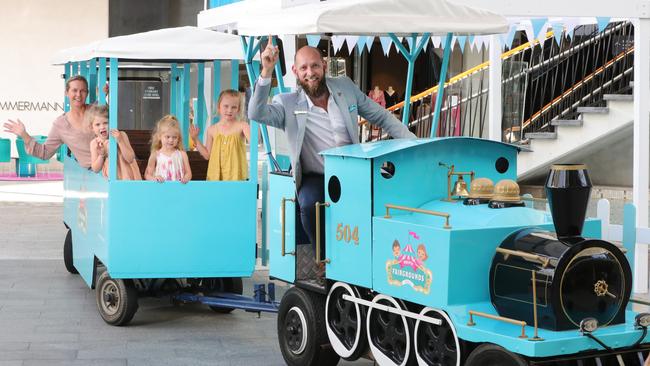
(460, 188)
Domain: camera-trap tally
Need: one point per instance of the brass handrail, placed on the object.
(418, 210)
(521, 323)
(544, 261)
(284, 201)
(535, 336)
(318, 206)
(639, 301)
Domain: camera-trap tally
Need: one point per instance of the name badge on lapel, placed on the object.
(299, 113)
(352, 108)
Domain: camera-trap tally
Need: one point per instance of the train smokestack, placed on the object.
(568, 188)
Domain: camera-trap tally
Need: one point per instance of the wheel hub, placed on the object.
(296, 326)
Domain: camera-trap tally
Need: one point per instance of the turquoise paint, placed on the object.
(92, 81)
(234, 74)
(441, 84)
(102, 81)
(173, 90)
(216, 90)
(68, 74)
(218, 3)
(352, 213)
(200, 108)
(112, 117)
(282, 267)
(184, 110)
(75, 69)
(249, 46)
(410, 55)
(629, 232)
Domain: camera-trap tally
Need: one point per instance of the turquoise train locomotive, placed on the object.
(422, 270)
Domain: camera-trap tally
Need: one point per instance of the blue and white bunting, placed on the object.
(313, 39)
(386, 42)
(558, 31)
(538, 27)
(602, 23)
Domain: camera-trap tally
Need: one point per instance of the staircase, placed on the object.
(585, 137)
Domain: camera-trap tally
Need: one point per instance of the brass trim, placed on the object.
(450, 173)
(535, 336)
(534, 199)
(521, 323)
(318, 228)
(639, 301)
(544, 261)
(568, 167)
(418, 210)
(284, 202)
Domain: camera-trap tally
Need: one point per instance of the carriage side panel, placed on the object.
(174, 230)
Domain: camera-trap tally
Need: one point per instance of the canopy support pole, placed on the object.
(92, 80)
(102, 81)
(216, 90)
(173, 89)
(185, 104)
(410, 56)
(68, 74)
(199, 113)
(234, 74)
(250, 48)
(441, 85)
(112, 119)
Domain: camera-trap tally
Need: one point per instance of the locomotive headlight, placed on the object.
(642, 320)
(589, 325)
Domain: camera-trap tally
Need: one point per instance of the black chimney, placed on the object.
(568, 188)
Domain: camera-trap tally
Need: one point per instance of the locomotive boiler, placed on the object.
(575, 279)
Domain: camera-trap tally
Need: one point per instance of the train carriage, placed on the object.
(131, 238)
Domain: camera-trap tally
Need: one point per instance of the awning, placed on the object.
(370, 17)
(181, 44)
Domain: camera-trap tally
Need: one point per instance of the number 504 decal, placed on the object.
(347, 234)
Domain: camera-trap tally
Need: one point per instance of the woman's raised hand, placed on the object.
(16, 127)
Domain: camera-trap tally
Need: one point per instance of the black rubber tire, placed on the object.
(315, 349)
(123, 304)
(488, 354)
(229, 284)
(67, 253)
(336, 306)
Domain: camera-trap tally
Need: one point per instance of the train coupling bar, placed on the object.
(263, 300)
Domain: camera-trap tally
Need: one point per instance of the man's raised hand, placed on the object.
(270, 57)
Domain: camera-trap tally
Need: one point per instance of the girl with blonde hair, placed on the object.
(226, 140)
(168, 159)
(97, 121)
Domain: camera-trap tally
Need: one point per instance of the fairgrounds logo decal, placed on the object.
(408, 266)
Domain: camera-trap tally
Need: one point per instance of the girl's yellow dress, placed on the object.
(228, 158)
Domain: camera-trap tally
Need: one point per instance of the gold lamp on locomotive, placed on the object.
(460, 186)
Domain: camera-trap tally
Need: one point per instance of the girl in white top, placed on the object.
(168, 159)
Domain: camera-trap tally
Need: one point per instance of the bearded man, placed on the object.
(321, 114)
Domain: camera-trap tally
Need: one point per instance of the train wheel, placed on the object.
(345, 322)
(230, 284)
(488, 354)
(301, 330)
(117, 300)
(388, 333)
(67, 253)
(436, 344)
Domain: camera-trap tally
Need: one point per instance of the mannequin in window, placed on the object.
(391, 97)
(377, 95)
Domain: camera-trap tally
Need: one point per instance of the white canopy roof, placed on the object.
(171, 44)
(371, 17)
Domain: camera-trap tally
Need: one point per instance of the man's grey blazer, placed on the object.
(289, 112)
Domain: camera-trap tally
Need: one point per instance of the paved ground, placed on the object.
(49, 317)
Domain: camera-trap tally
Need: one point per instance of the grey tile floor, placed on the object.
(49, 317)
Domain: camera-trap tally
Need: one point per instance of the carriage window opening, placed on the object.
(502, 164)
(387, 169)
(334, 188)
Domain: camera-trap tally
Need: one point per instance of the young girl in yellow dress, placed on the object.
(225, 146)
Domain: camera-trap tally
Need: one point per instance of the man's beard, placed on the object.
(315, 91)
